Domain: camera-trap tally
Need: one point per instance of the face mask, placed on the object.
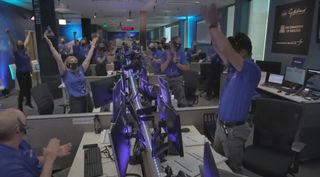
(177, 45)
(153, 49)
(20, 47)
(72, 66)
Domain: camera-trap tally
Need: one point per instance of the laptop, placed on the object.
(274, 80)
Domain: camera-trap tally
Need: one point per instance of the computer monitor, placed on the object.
(165, 91)
(209, 165)
(269, 67)
(313, 79)
(275, 79)
(102, 90)
(120, 143)
(294, 77)
(172, 127)
(118, 99)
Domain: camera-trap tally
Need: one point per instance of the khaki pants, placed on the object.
(232, 144)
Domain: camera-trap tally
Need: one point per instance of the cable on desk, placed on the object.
(107, 153)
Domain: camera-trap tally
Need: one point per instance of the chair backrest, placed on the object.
(276, 123)
(43, 98)
(190, 82)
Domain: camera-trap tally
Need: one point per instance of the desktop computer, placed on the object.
(209, 168)
(269, 67)
(313, 80)
(165, 91)
(102, 90)
(120, 142)
(170, 122)
(118, 100)
(294, 78)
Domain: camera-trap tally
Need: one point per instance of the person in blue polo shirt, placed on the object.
(23, 68)
(156, 57)
(243, 78)
(73, 76)
(193, 53)
(173, 65)
(101, 60)
(17, 159)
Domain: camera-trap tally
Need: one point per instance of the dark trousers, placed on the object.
(80, 104)
(25, 84)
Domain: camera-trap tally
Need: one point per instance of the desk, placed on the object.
(282, 94)
(310, 126)
(109, 169)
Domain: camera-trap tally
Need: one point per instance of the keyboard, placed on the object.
(92, 162)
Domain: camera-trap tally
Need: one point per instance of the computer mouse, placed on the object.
(287, 93)
(185, 130)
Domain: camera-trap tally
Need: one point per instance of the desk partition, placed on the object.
(70, 127)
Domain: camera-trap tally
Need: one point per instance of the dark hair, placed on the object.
(174, 38)
(232, 41)
(242, 41)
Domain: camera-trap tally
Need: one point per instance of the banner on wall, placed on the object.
(293, 25)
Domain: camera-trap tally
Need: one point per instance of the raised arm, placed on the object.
(165, 64)
(27, 39)
(221, 42)
(75, 38)
(12, 40)
(56, 55)
(87, 61)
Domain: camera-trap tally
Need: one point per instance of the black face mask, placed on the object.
(153, 49)
(20, 47)
(177, 45)
(72, 66)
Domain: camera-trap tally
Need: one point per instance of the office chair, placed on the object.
(191, 85)
(43, 98)
(275, 151)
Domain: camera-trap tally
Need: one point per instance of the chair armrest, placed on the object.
(297, 146)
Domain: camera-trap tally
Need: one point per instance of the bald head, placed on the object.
(9, 123)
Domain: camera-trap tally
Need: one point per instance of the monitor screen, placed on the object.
(295, 75)
(120, 143)
(209, 164)
(313, 79)
(275, 79)
(269, 66)
(173, 126)
(165, 91)
(118, 99)
(102, 90)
